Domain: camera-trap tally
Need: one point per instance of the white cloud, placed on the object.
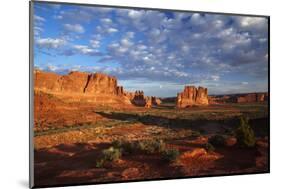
(50, 43)
(106, 21)
(80, 15)
(105, 29)
(37, 30)
(39, 18)
(85, 50)
(251, 21)
(130, 35)
(95, 43)
(215, 77)
(134, 14)
(112, 30)
(74, 28)
(126, 42)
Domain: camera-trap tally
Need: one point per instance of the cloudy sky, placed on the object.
(155, 51)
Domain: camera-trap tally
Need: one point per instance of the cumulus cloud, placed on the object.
(80, 50)
(111, 30)
(74, 15)
(38, 25)
(156, 46)
(74, 28)
(95, 43)
(50, 43)
(248, 22)
(39, 18)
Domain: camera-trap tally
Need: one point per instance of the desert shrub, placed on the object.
(170, 155)
(111, 154)
(158, 145)
(117, 143)
(209, 147)
(129, 147)
(125, 146)
(146, 146)
(151, 146)
(108, 155)
(100, 163)
(217, 140)
(245, 134)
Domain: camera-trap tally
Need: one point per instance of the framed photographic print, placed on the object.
(121, 94)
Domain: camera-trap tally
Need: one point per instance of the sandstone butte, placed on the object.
(97, 88)
(192, 96)
(252, 97)
(239, 98)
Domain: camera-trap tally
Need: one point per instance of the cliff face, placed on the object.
(252, 97)
(99, 83)
(97, 87)
(192, 96)
(139, 98)
(76, 82)
(239, 98)
(156, 101)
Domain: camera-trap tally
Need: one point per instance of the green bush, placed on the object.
(151, 146)
(170, 155)
(146, 146)
(245, 134)
(129, 147)
(109, 155)
(125, 146)
(100, 163)
(209, 147)
(117, 143)
(217, 140)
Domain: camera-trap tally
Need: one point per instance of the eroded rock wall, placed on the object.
(192, 96)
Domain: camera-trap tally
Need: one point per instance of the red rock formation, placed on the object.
(252, 97)
(100, 83)
(46, 81)
(148, 102)
(97, 87)
(155, 101)
(129, 95)
(139, 98)
(192, 96)
(119, 91)
(238, 98)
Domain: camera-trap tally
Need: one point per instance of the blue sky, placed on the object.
(158, 52)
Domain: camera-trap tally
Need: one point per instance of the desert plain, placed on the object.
(87, 129)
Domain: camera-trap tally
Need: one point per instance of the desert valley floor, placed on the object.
(72, 140)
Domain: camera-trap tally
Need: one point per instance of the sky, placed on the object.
(158, 52)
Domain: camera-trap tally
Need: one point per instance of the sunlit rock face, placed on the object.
(139, 98)
(192, 96)
(98, 88)
(76, 82)
(155, 101)
(252, 97)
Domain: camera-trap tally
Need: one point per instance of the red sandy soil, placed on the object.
(75, 163)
